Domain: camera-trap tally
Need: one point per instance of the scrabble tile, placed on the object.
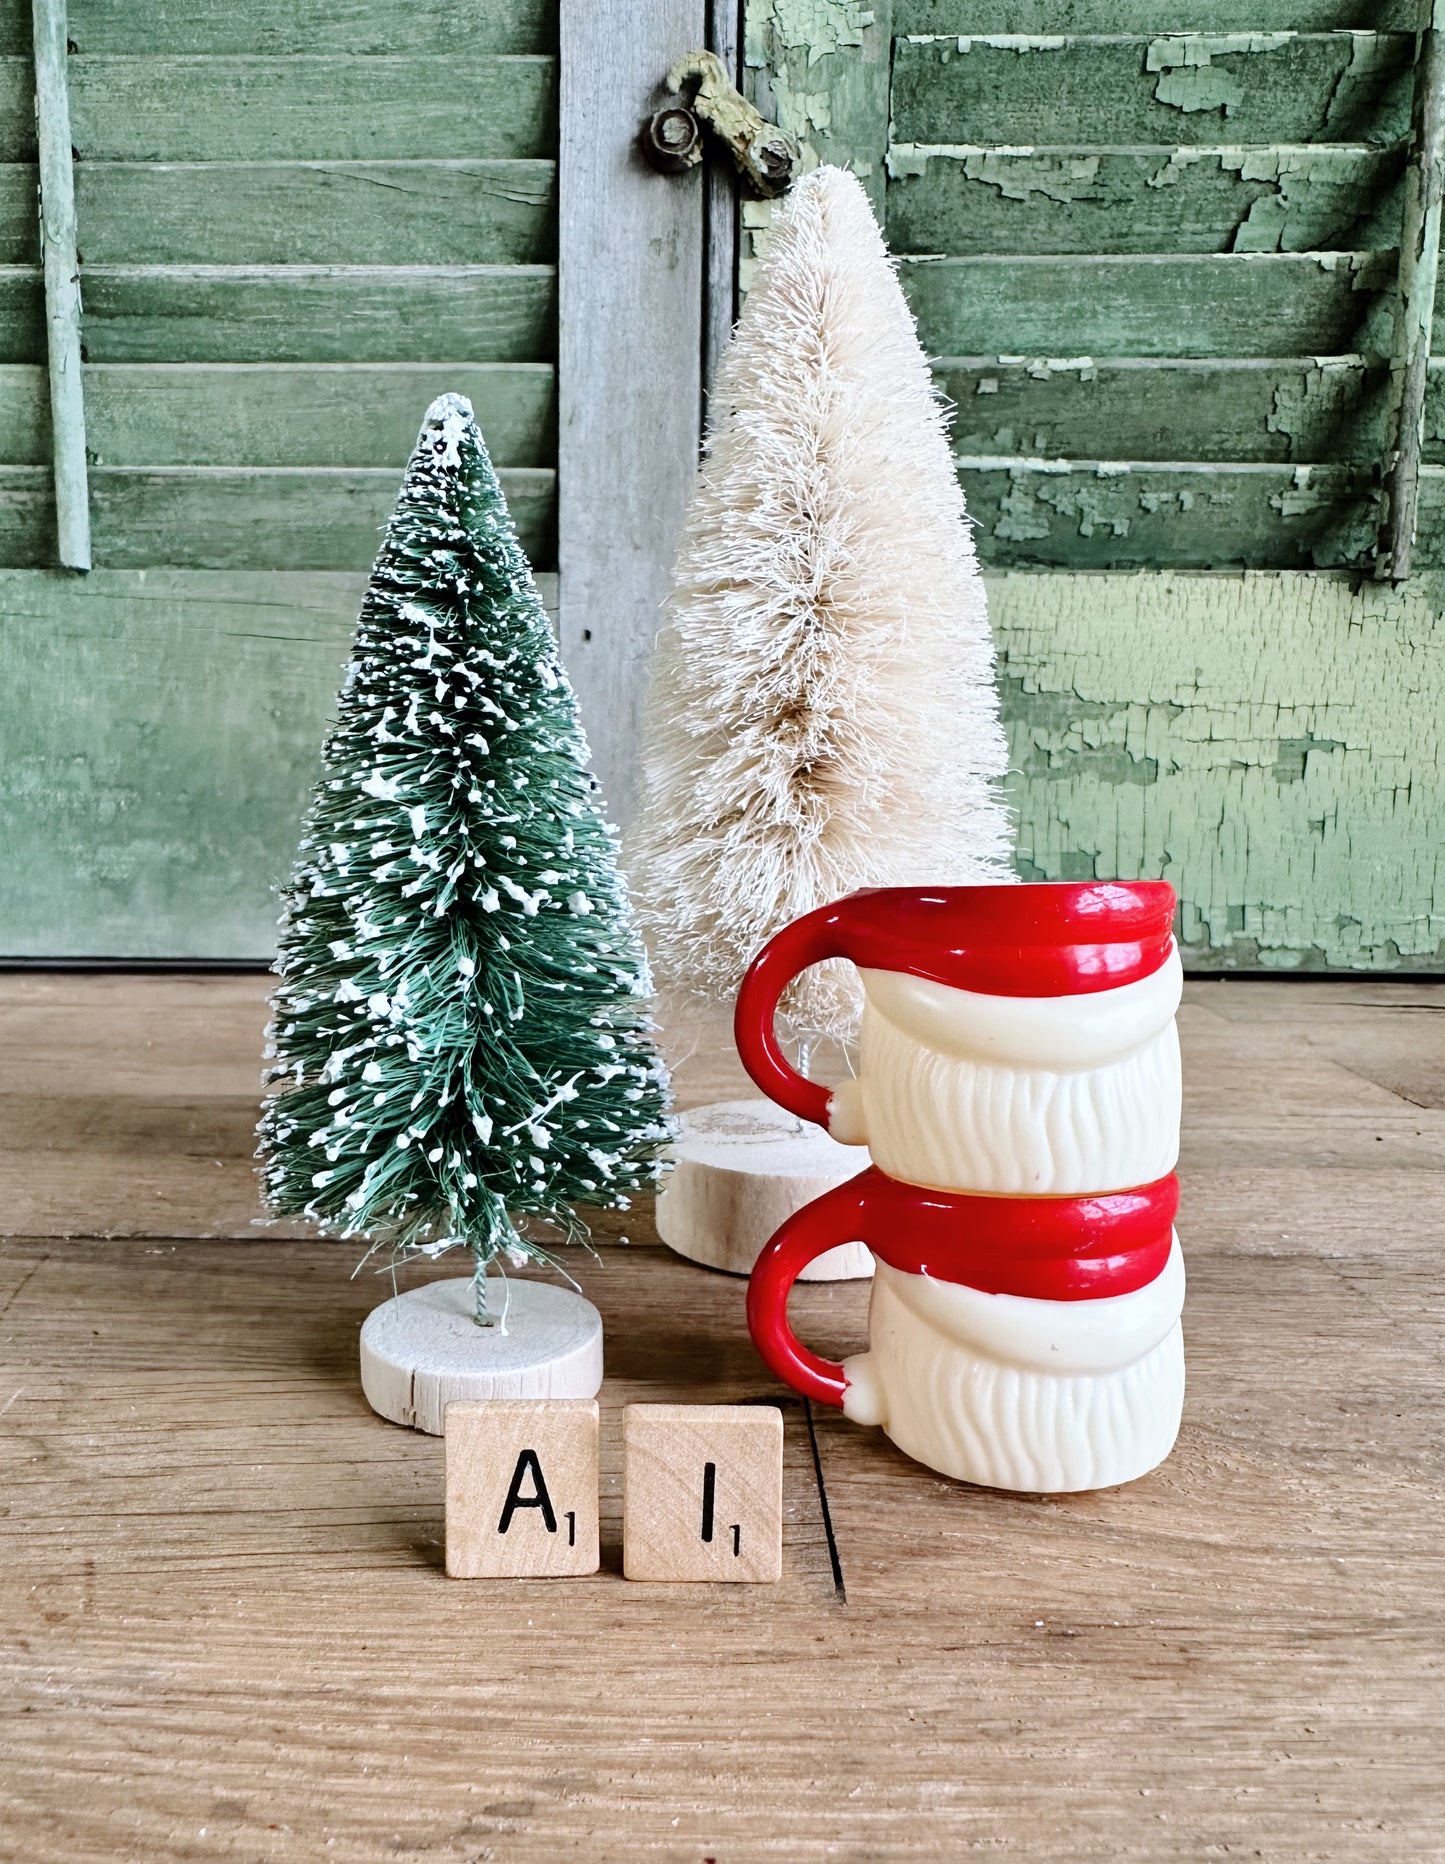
(702, 1492)
(521, 1488)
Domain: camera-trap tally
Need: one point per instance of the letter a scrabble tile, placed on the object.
(522, 1488)
(702, 1492)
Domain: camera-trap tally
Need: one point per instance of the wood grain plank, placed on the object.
(160, 108)
(19, 214)
(1302, 410)
(828, 88)
(291, 28)
(1213, 515)
(1153, 16)
(1239, 1653)
(247, 518)
(1060, 200)
(630, 364)
(312, 313)
(17, 105)
(1271, 742)
(61, 267)
(1305, 410)
(22, 314)
(342, 213)
(162, 730)
(1201, 516)
(281, 414)
(1239, 305)
(1189, 88)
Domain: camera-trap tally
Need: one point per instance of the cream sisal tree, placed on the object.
(823, 714)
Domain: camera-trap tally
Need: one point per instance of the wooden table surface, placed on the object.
(227, 1633)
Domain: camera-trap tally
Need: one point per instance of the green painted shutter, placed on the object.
(1153, 250)
(297, 224)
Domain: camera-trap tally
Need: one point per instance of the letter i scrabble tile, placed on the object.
(702, 1492)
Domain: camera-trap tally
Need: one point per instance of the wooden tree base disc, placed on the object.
(742, 1166)
(422, 1350)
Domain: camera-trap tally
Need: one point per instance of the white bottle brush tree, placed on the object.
(461, 1027)
(823, 715)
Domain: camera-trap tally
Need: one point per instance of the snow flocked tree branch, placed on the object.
(461, 1025)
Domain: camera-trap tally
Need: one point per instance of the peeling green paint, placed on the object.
(817, 27)
(1371, 64)
(1270, 743)
(1189, 80)
(1016, 173)
(1114, 89)
(1141, 199)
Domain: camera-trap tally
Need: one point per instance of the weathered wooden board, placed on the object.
(824, 76)
(162, 730)
(1302, 410)
(158, 108)
(1308, 410)
(340, 213)
(1241, 304)
(17, 105)
(1272, 744)
(22, 314)
(248, 518)
(220, 1623)
(1213, 515)
(1269, 742)
(19, 215)
(1054, 200)
(295, 27)
(319, 313)
(1255, 87)
(630, 363)
(280, 414)
(1154, 16)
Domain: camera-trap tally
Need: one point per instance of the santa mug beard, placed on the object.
(1018, 1343)
(1016, 1040)
(1020, 1096)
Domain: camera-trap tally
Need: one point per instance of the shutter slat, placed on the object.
(218, 518)
(1275, 304)
(166, 109)
(1180, 515)
(268, 414)
(1304, 198)
(343, 213)
(1153, 16)
(292, 27)
(1300, 410)
(314, 313)
(1186, 87)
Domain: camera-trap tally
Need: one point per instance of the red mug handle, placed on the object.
(810, 940)
(839, 1216)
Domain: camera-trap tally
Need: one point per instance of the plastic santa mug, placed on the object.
(1018, 1088)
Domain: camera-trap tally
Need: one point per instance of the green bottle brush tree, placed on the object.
(462, 1045)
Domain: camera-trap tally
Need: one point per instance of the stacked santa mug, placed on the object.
(1018, 1091)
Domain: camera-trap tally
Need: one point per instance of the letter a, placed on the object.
(539, 1498)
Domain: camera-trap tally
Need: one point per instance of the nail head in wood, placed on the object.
(672, 140)
(522, 1489)
(702, 1492)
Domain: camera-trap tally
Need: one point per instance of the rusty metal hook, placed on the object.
(765, 156)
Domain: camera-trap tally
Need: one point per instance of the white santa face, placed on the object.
(1016, 1096)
